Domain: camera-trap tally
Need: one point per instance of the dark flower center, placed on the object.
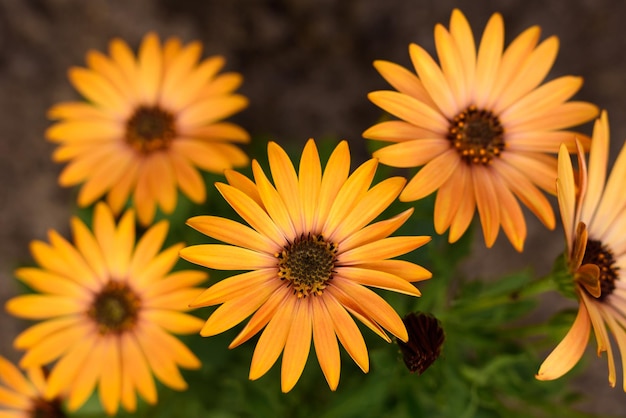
(150, 129)
(600, 255)
(307, 264)
(47, 409)
(477, 135)
(115, 309)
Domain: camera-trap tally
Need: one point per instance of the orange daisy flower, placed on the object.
(592, 211)
(311, 254)
(150, 123)
(481, 125)
(22, 396)
(107, 309)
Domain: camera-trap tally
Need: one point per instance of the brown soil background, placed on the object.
(307, 68)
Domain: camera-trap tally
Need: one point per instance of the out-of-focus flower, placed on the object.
(22, 396)
(425, 340)
(107, 309)
(150, 122)
(311, 252)
(481, 125)
(594, 219)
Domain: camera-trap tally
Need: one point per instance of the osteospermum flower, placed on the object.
(311, 254)
(108, 308)
(592, 211)
(22, 396)
(481, 125)
(151, 122)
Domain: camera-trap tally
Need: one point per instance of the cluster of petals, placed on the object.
(592, 208)
(67, 283)
(505, 83)
(333, 204)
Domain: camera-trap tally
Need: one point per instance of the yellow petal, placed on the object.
(297, 346)
(262, 316)
(397, 131)
(412, 153)
(335, 175)
(375, 306)
(34, 306)
(273, 339)
(13, 378)
(274, 204)
(135, 365)
(148, 246)
(381, 249)
(523, 68)
(404, 81)
(487, 203)
(431, 176)
(376, 278)
(188, 178)
(566, 194)
(366, 209)
(227, 257)
(401, 268)
(354, 188)
(325, 343)
(252, 213)
(375, 231)
(174, 322)
(488, 59)
(236, 286)
(157, 268)
(211, 109)
(309, 183)
(411, 110)
(347, 332)
(511, 216)
(150, 68)
(236, 309)
(570, 349)
(434, 80)
(286, 182)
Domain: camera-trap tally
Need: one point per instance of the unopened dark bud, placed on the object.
(425, 340)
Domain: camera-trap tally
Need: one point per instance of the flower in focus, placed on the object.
(425, 340)
(151, 122)
(481, 125)
(311, 252)
(22, 396)
(592, 211)
(107, 309)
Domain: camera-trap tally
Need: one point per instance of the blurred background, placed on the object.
(307, 67)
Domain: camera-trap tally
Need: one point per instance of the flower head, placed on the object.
(24, 395)
(311, 252)
(481, 125)
(426, 338)
(150, 123)
(592, 211)
(107, 309)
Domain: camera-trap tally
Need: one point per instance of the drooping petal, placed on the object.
(570, 349)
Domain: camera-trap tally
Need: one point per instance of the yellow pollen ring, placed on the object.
(115, 309)
(477, 135)
(150, 129)
(307, 264)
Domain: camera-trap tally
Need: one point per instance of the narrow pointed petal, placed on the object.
(297, 346)
(570, 349)
(227, 257)
(431, 176)
(273, 339)
(348, 333)
(325, 343)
